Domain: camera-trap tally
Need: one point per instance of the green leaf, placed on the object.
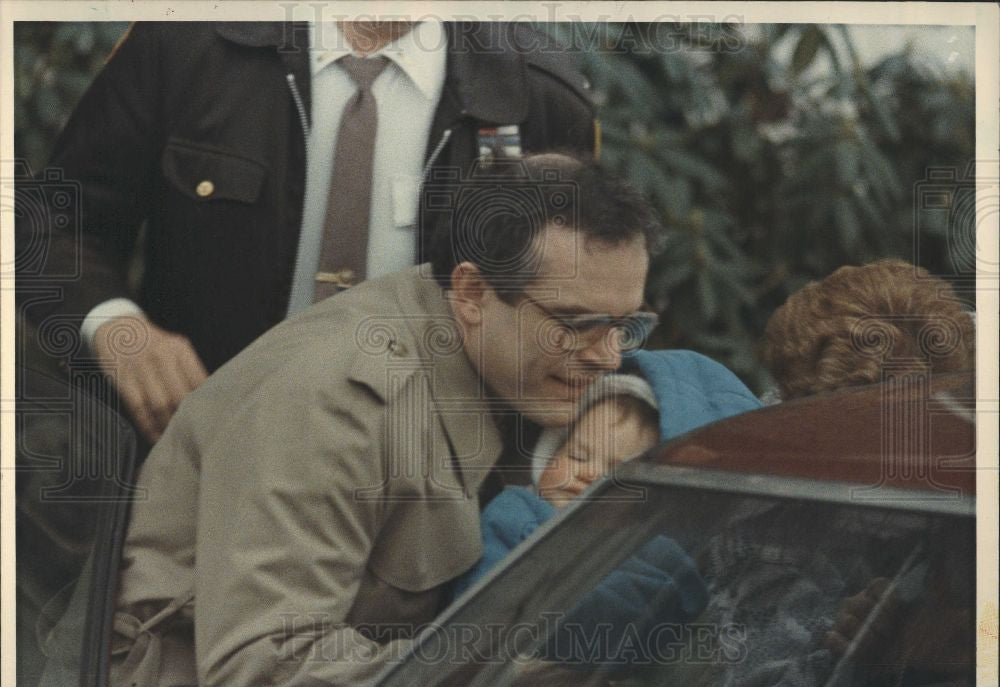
(643, 171)
(871, 213)
(675, 195)
(85, 40)
(635, 88)
(847, 163)
(778, 30)
(66, 33)
(718, 238)
(806, 49)
(883, 117)
(50, 106)
(730, 275)
(706, 295)
(819, 215)
(676, 247)
(693, 166)
(675, 67)
(713, 342)
(110, 32)
(831, 50)
(880, 173)
(814, 165)
(747, 142)
(846, 221)
(666, 279)
(667, 137)
(74, 84)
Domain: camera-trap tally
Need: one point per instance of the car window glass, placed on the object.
(777, 574)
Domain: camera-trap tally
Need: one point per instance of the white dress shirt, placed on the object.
(406, 96)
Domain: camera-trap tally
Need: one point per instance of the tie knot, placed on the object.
(363, 70)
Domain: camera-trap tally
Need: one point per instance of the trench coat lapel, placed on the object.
(461, 402)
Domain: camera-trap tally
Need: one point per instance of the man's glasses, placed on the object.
(571, 333)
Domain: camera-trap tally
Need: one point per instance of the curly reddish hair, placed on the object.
(841, 331)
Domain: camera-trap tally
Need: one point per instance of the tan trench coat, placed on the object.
(317, 487)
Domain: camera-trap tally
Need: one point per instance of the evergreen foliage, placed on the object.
(768, 171)
(771, 172)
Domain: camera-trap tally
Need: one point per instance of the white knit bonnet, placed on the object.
(605, 387)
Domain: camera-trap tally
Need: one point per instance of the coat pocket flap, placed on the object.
(205, 173)
(427, 543)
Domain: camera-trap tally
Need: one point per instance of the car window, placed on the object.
(777, 572)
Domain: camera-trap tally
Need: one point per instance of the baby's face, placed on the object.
(600, 439)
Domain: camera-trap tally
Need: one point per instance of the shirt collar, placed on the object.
(420, 54)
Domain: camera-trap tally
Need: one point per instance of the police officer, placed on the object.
(229, 142)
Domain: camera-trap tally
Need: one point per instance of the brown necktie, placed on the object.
(344, 252)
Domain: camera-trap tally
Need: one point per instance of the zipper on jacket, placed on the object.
(445, 136)
(299, 106)
(304, 121)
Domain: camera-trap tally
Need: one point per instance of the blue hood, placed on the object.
(691, 389)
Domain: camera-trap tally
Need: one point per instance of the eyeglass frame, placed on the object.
(647, 321)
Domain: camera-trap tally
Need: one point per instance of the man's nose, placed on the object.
(604, 354)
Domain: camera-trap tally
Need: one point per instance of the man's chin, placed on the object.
(549, 413)
(553, 403)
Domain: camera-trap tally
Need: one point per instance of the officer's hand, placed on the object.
(153, 369)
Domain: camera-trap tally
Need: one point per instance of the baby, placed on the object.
(619, 421)
(616, 420)
(619, 417)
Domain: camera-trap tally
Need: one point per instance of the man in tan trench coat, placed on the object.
(324, 482)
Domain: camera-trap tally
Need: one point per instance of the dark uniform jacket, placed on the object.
(178, 105)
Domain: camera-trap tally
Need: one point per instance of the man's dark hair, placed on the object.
(500, 210)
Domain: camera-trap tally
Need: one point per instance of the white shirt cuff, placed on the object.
(105, 312)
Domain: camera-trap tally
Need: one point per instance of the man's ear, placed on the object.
(467, 290)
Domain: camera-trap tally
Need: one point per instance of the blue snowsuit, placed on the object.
(659, 584)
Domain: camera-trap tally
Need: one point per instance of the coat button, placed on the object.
(398, 348)
(205, 188)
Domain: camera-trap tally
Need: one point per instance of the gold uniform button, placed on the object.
(205, 188)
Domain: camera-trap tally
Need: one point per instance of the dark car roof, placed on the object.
(909, 432)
